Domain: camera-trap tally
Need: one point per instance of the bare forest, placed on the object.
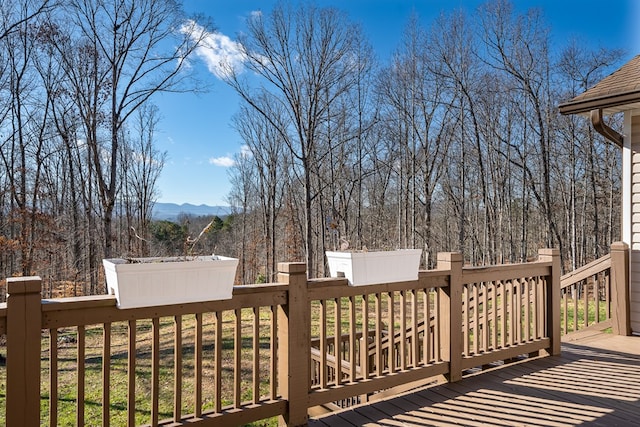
(454, 143)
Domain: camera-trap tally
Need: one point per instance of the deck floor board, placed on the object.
(595, 382)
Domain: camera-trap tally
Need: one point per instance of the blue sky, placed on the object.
(196, 130)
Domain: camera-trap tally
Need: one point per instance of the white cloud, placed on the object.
(245, 151)
(221, 54)
(224, 161)
(230, 160)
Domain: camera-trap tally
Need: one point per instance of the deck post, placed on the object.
(24, 323)
(294, 350)
(620, 309)
(553, 298)
(450, 311)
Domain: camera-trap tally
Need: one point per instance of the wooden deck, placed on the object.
(595, 382)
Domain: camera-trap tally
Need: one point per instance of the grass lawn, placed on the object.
(571, 317)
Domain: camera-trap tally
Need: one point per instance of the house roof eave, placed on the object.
(608, 103)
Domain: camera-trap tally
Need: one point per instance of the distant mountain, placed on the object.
(171, 211)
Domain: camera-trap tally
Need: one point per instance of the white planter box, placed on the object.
(162, 281)
(367, 268)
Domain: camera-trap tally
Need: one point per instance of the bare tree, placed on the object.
(413, 100)
(243, 199)
(14, 14)
(23, 148)
(141, 168)
(266, 153)
(579, 69)
(519, 47)
(306, 57)
(129, 51)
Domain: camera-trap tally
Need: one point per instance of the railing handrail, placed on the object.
(594, 267)
(93, 310)
(505, 271)
(326, 288)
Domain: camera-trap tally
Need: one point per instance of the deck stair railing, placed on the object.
(593, 293)
(273, 350)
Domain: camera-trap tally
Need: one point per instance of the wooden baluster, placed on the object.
(533, 297)
(323, 344)
(177, 377)
(415, 342)
(273, 339)
(378, 318)
(576, 305)
(256, 355)
(527, 309)
(106, 374)
(426, 340)
(217, 362)
(494, 315)
(513, 311)
(53, 377)
(477, 328)
(518, 319)
(352, 340)
(596, 296)
(607, 294)
(197, 361)
(131, 371)
(155, 370)
(585, 302)
(466, 332)
(391, 334)
(338, 341)
(485, 317)
(403, 330)
(364, 343)
(504, 315)
(237, 358)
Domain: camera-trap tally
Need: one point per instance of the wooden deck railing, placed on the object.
(592, 294)
(273, 350)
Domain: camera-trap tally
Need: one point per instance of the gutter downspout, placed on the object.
(601, 127)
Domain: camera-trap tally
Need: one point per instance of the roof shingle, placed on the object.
(617, 92)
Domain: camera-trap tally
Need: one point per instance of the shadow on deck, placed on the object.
(596, 381)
